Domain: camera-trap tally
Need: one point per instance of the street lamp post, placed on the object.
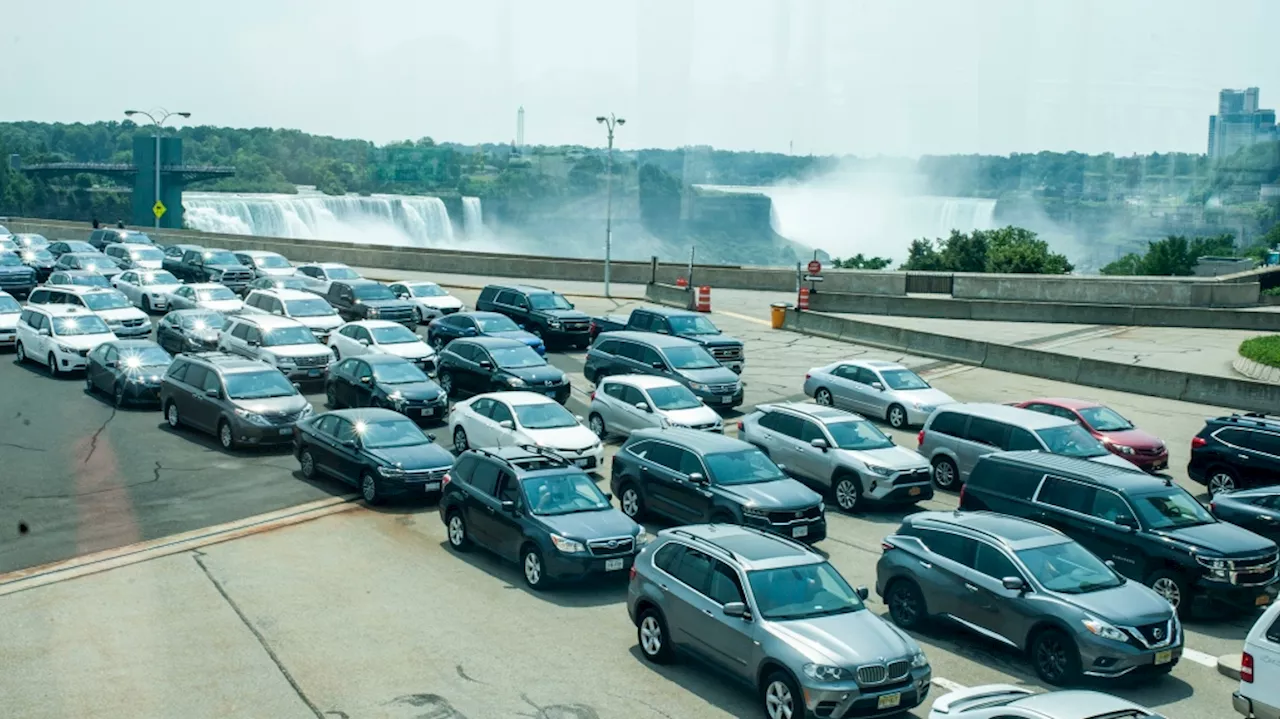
(610, 123)
(159, 125)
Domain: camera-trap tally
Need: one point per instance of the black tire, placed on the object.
(456, 531)
(907, 607)
(897, 416)
(653, 637)
(533, 568)
(117, 394)
(460, 442)
(88, 384)
(226, 437)
(19, 353)
(437, 344)
(596, 423)
(779, 688)
(945, 474)
(370, 488)
(824, 397)
(337, 353)
(307, 464)
(171, 415)
(1221, 480)
(331, 397)
(146, 304)
(1174, 587)
(52, 365)
(417, 315)
(445, 380)
(846, 492)
(1055, 657)
(632, 502)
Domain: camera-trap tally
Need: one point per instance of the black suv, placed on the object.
(490, 364)
(690, 477)
(1153, 530)
(103, 237)
(543, 312)
(1234, 452)
(382, 452)
(533, 506)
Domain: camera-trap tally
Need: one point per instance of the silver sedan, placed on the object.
(148, 290)
(875, 389)
(1006, 701)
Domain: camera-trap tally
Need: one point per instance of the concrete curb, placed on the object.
(1256, 370)
(1229, 666)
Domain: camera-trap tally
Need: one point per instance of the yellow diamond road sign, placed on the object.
(158, 209)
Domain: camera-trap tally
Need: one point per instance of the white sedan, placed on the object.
(382, 337)
(504, 419)
(1005, 701)
(205, 296)
(429, 299)
(148, 290)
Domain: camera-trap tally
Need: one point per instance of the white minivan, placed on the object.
(59, 336)
(1259, 694)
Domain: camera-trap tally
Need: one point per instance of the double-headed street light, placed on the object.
(159, 124)
(609, 122)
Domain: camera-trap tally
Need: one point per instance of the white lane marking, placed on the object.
(1207, 660)
(745, 318)
(948, 684)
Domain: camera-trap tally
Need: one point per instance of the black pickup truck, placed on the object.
(680, 323)
(204, 264)
(368, 300)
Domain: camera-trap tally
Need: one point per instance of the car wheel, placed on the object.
(1055, 657)
(897, 416)
(458, 537)
(1173, 587)
(117, 394)
(20, 353)
(460, 443)
(824, 398)
(171, 416)
(1221, 481)
(651, 633)
(535, 572)
(146, 304)
(225, 436)
(369, 489)
(331, 397)
(437, 344)
(52, 363)
(88, 384)
(446, 383)
(906, 604)
(596, 423)
(848, 493)
(308, 464)
(945, 474)
(782, 699)
(632, 503)
(417, 315)
(337, 353)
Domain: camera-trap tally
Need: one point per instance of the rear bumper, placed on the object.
(1252, 708)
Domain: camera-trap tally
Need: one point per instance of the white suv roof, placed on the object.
(82, 290)
(520, 398)
(367, 324)
(268, 322)
(642, 381)
(258, 253)
(326, 264)
(204, 285)
(283, 293)
(60, 310)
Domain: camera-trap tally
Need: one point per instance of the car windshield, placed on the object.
(203, 322)
(496, 323)
(341, 273)
(373, 292)
(690, 358)
(858, 434)
(903, 379)
(1105, 419)
(137, 238)
(39, 254)
(310, 307)
(138, 254)
(744, 466)
(281, 336)
(258, 385)
(80, 247)
(158, 277)
(426, 289)
(98, 301)
(673, 398)
(220, 257)
(91, 262)
(1069, 568)
(80, 325)
(8, 305)
(87, 280)
(208, 294)
(287, 283)
(8, 259)
(549, 301)
(802, 592)
(271, 262)
(399, 373)
(547, 415)
(1071, 441)
(692, 325)
(31, 241)
(516, 357)
(1170, 508)
(135, 357)
(563, 494)
(390, 433)
(394, 335)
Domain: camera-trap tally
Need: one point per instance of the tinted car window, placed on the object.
(668, 557)
(810, 431)
(988, 432)
(952, 546)
(178, 370)
(659, 453)
(1016, 482)
(784, 423)
(1267, 442)
(724, 587)
(650, 356)
(608, 347)
(694, 569)
(949, 423)
(993, 563)
(195, 375)
(631, 351)
(640, 320)
(1067, 495)
(485, 478)
(1020, 439)
(616, 391)
(1109, 506)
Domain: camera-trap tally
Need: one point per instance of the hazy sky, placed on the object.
(865, 77)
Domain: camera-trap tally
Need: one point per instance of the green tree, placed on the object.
(861, 262)
(1173, 256)
(1008, 249)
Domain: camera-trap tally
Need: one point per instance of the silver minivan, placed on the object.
(622, 404)
(957, 435)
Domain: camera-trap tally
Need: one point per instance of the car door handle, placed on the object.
(489, 509)
(707, 612)
(925, 564)
(970, 587)
(1243, 456)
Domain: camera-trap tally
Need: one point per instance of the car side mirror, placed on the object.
(507, 424)
(363, 341)
(642, 406)
(1126, 522)
(212, 393)
(469, 331)
(579, 418)
(297, 387)
(43, 332)
(366, 380)
(734, 609)
(112, 364)
(402, 296)
(659, 365)
(781, 467)
(509, 506)
(276, 312)
(698, 478)
(862, 593)
(520, 326)
(877, 385)
(1110, 563)
(486, 364)
(608, 496)
(254, 343)
(819, 443)
(1014, 584)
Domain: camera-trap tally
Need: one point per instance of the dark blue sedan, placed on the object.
(444, 330)
(1257, 510)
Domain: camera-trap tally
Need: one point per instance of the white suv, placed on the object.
(125, 320)
(383, 337)
(9, 311)
(286, 344)
(321, 274)
(265, 264)
(59, 336)
(133, 256)
(314, 312)
(1258, 696)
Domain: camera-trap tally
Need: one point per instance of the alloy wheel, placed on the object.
(171, 414)
(897, 417)
(847, 494)
(944, 473)
(457, 531)
(1221, 482)
(459, 440)
(532, 568)
(118, 394)
(1051, 657)
(778, 701)
(1168, 588)
(53, 365)
(823, 397)
(596, 423)
(650, 636)
(369, 489)
(630, 502)
(225, 436)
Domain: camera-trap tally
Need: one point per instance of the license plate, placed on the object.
(427, 412)
(800, 531)
(313, 373)
(1262, 601)
(286, 430)
(431, 486)
(913, 491)
(889, 701)
(612, 565)
(725, 400)
(1164, 657)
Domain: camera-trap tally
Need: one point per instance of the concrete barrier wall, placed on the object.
(671, 296)
(1240, 394)
(1148, 291)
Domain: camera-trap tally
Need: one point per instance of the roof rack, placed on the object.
(693, 537)
(215, 354)
(991, 535)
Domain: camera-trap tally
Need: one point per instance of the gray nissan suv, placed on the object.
(1030, 587)
(776, 616)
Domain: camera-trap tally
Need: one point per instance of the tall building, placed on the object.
(1239, 123)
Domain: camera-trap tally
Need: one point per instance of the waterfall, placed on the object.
(472, 218)
(405, 220)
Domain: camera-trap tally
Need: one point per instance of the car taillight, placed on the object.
(806, 376)
(593, 395)
(962, 495)
(920, 438)
(632, 575)
(1197, 442)
(1246, 667)
(444, 481)
(739, 426)
(886, 546)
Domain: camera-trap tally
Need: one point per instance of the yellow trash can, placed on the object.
(778, 314)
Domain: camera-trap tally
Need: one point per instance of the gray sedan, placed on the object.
(875, 389)
(1006, 701)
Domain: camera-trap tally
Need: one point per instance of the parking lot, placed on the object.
(368, 613)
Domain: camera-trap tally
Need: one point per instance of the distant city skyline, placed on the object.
(874, 77)
(1240, 122)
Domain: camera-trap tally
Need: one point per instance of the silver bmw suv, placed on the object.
(778, 617)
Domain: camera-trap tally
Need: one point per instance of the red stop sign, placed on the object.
(815, 267)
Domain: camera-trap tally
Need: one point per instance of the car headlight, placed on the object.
(155, 295)
(515, 381)
(644, 538)
(396, 397)
(373, 312)
(307, 411)
(1104, 630)
(877, 469)
(285, 362)
(826, 673)
(919, 661)
(252, 417)
(391, 471)
(1123, 449)
(1217, 568)
(215, 275)
(755, 512)
(822, 507)
(568, 546)
(554, 324)
(699, 387)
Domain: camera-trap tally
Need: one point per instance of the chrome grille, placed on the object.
(726, 353)
(1253, 571)
(426, 475)
(450, 310)
(16, 280)
(1151, 451)
(395, 314)
(723, 388)
(613, 545)
(133, 322)
(899, 669)
(871, 674)
(576, 326)
(913, 477)
(284, 417)
(1154, 635)
(316, 361)
(796, 516)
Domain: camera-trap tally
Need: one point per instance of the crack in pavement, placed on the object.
(93, 441)
(262, 640)
(155, 477)
(21, 446)
(463, 673)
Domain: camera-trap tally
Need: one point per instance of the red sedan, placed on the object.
(1115, 432)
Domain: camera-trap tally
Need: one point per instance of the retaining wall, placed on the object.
(1149, 291)
(671, 296)
(1241, 394)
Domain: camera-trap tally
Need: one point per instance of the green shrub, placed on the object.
(1262, 349)
(1274, 291)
